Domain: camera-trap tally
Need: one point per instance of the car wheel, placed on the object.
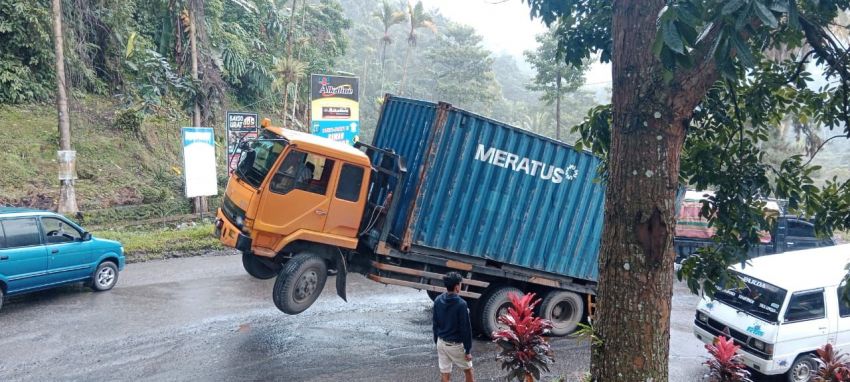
(300, 283)
(493, 305)
(563, 309)
(257, 268)
(802, 369)
(105, 276)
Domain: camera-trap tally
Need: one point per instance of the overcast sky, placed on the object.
(506, 27)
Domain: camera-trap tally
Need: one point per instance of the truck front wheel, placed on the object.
(255, 267)
(493, 305)
(564, 309)
(300, 283)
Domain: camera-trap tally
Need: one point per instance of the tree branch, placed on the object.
(821, 146)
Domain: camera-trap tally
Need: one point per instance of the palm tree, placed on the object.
(389, 17)
(286, 72)
(418, 19)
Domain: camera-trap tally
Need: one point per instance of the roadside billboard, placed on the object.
(199, 161)
(240, 127)
(335, 107)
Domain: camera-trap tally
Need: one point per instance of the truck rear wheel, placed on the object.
(564, 309)
(300, 283)
(493, 305)
(255, 267)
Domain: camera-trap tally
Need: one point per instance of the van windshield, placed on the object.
(755, 297)
(258, 159)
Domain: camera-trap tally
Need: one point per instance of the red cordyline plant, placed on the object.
(726, 364)
(834, 366)
(525, 353)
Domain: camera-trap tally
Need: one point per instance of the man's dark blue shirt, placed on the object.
(451, 320)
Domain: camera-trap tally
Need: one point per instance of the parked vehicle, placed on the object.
(440, 189)
(41, 250)
(787, 306)
(790, 234)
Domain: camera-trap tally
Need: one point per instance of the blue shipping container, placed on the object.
(481, 188)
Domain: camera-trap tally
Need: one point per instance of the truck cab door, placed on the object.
(295, 198)
(348, 201)
(800, 234)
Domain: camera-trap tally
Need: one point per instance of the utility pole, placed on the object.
(200, 202)
(67, 157)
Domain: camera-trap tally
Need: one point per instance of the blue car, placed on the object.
(41, 250)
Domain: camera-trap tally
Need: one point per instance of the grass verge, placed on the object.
(142, 244)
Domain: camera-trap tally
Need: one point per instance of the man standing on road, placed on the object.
(452, 331)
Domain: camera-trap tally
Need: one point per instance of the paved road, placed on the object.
(204, 319)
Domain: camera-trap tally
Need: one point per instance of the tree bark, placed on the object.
(558, 105)
(635, 264)
(67, 194)
(289, 60)
(404, 71)
(193, 46)
(199, 203)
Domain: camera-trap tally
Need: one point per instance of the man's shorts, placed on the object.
(451, 353)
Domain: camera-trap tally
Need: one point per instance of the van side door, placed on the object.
(23, 259)
(842, 332)
(69, 257)
(805, 326)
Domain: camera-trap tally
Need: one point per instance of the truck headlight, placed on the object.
(702, 317)
(761, 346)
(239, 221)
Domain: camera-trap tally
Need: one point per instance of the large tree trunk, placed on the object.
(635, 264)
(67, 194)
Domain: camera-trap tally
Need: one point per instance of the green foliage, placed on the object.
(26, 55)
(551, 68)
(148, 244)
(461, 69)
(757, 91)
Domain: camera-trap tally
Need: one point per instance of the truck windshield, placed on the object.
(755, 297)
(258, 159)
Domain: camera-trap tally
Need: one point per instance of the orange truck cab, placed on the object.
(294, 193)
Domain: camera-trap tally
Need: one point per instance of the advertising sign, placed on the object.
(199, 161)
(334, 108)
(240, 127)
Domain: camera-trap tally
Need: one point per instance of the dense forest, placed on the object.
(128, 69)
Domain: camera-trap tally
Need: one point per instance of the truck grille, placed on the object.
(231, 212)
(741, 339)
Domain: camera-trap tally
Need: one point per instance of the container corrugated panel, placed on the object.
(493, 191)
(405, 126)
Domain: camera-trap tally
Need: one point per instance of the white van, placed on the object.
(789, 306)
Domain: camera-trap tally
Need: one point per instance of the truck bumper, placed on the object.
(763, 366)
(229, 235)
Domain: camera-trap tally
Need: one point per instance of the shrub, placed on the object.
(725, 364)
(834, 366)
(525, 352)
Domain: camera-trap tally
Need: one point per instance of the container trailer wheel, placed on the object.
(300, 283)
(257, 268)
(492, 305)
(564, 309)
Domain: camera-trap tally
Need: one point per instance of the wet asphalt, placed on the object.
(205, 319)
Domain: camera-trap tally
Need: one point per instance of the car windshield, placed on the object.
(258, 159)
(755, 297)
